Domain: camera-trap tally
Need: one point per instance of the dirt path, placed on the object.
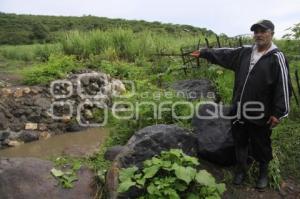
(10, 79)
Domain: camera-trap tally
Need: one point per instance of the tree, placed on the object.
(39, 31)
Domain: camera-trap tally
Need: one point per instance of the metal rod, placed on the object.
(218, 41)
(297, 80)
(240, 41)
(295, 95)
(166, 54)
(207, 43)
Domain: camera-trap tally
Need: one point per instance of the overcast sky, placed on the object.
(232, 17)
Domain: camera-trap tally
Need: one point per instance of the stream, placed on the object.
(77, 144)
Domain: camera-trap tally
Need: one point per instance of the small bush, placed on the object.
(57, 67)
(171, 174)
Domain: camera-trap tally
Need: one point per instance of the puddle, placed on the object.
(77, 144)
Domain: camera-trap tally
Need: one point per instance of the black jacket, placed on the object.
(268, 82)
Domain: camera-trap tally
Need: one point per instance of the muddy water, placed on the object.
(81, 143)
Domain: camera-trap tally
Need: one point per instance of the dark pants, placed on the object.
(252, 136)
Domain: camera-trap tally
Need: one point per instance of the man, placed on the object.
(260, 97)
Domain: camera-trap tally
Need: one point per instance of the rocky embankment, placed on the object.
(29, 113)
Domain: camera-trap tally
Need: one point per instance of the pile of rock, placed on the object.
(53, 110)
(11, 138)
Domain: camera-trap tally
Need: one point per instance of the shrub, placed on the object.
(171, 174)
(57, 67)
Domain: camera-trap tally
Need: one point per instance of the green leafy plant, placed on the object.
(57, 67)
(66, 178)
(172, 174)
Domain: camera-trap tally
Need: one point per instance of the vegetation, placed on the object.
(172, 174)
(29, 29)
(57, 67)
(68, 176)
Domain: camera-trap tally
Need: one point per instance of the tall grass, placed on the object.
(32, 52)
(122, 43)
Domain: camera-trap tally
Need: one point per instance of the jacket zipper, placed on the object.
(239, 104)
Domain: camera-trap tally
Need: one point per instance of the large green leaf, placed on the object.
(192, 196)
(56, 172)
(205, 178)
(128, 173)
(124, 186)
(191, 160)
(186, 174)
(221, 188)
(151, 171)
(76, 165)
(180, 186)
(171, 193)
(152, 190)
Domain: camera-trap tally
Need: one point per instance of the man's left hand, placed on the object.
(273, 121)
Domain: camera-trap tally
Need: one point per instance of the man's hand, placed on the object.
(273, 121)
(195, 54)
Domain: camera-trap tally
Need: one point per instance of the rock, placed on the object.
(43, 103)
(13, 135)
(28, 136)
(5, 142)
(118, 86)
(4, 135)
(85, 81)
(151, 140)
(215, 142)
(66, 118)
(74, 127)
(31, 126)
(35, 91)
(88, 114)
(23, 119)
(18, 93)
(6, 92)
(16, 125)
(26, 90)
(42, 127)
(14, 143)
(34, 117)
(112, 152)
(28, 111)
(18, 112)
(2, 84)
(44, 135)
(30, 178)
(3, 121)
(195, 89)
(143, 145)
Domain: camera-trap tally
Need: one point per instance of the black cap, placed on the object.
(265, 24)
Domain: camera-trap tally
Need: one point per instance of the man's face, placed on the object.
(263, 37)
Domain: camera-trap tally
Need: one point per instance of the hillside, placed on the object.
(28, 29)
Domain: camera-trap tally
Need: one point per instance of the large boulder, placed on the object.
(30, 178)
(195, 89)
(151, 140)
(215, 142)
(143, 145)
